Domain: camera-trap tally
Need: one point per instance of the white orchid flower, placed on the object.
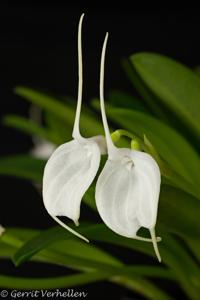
(42, 148)
(2, 230)
(128, 187)
(72, 167)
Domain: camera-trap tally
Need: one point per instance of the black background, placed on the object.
(38, 49)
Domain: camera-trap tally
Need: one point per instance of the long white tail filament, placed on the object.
(140, 238)
(70, 229)
(76, 129)
(155, 246)
(109, 142)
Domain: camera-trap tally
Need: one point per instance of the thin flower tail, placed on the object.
(70, 229)
(76, 130)
(155, 246)
(68, 164)
(110, 145)
(127, 216)
(141, 238)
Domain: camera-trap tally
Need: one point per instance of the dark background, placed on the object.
(38, 48)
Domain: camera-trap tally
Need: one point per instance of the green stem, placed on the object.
(135, 143)
(116, 135)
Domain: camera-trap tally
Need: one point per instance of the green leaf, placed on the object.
(142, 286)
(121, 99)
(183, 265)
(6, 251)
(97, 232)
(64, 112)
(75, 247)
(89, 197)
(126, 276)
(147, 96)
(23, 166)
(197, 70)
(194, 245)
(171, 146)
(15, 238)
(58, 127)
(51, 282)
(176, 86)
(30, 127)
(172, 253)
(179, 212)
(66, 252)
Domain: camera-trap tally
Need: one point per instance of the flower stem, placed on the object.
(117, 134)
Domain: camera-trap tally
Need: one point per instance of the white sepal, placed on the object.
(72, 167)
(128, 187)
(67, 176)
(127, 192)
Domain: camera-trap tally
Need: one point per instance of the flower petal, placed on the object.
(101, 142)
(127, 192)
(148, 173)
(113, 191)
(67, 175)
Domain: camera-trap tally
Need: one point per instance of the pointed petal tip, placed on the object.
(76, 222)
(81, 17)
(140, 238)
(155, 246)
(86, 240)
(159, 239)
